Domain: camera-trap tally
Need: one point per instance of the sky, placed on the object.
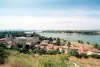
(50, 14)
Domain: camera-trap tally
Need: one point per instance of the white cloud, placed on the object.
(49, 19)
(39, 23)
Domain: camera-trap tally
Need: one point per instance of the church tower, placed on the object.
(8, 36)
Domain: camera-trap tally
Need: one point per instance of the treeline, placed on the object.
(16, 34)
(89, 32)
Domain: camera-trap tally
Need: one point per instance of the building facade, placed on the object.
(22, 40)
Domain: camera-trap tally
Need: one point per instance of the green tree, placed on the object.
(52, 52)
(58, 38)
(88, 43)
(96, 45)
(58, 42)
(25, 48)
(69, 44)
(79, 41)
(51, 39)
(73, 52)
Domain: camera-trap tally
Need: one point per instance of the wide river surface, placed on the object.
(74, 37)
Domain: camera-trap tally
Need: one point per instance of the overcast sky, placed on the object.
(50, 14)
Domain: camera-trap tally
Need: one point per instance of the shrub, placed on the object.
(52, 52)
(2, 45)
(88, 43)
(73, 52)
(98, 48)
(69, 43)
(25, 49)
(16, 49)
(39, 51)
(79, 41)
(95, 56)
(84, 55)
(3, 55)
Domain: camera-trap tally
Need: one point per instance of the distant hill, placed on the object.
(13, 30)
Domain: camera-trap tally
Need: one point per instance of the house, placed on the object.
(95, 51)
(29, 43)
(54, 42)
(44, 43)
(64, 48)
(2, 40)
(42, 47)
(49, 47)
(55, 47)
(89, 52)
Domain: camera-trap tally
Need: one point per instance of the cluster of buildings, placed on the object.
(65, 48)
(9, 40)
(85, 49)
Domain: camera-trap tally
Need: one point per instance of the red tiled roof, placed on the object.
(55, 47)
(64, 46)
(95, 50)
(41, 47)
(86, 49)
(3, 39)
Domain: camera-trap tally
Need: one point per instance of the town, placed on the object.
(34, 42)
(41, 46)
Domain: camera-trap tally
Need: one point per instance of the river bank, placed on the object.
(74, 37)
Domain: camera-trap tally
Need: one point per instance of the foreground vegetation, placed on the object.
(86, 62)
(4, 53)
(23, 56)
(17, 59)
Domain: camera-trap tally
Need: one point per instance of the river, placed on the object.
(75, 37)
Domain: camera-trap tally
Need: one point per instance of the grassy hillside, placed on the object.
(25, 60)
(90, 62)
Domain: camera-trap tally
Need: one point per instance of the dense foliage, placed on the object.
(95, 56)
(52, 52)
(3, 54)
(73, 52)
(83, 55)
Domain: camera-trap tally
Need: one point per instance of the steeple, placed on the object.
(8, 36)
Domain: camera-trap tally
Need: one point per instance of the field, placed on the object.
(17, 59)
(90, 62)
(26, 60)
